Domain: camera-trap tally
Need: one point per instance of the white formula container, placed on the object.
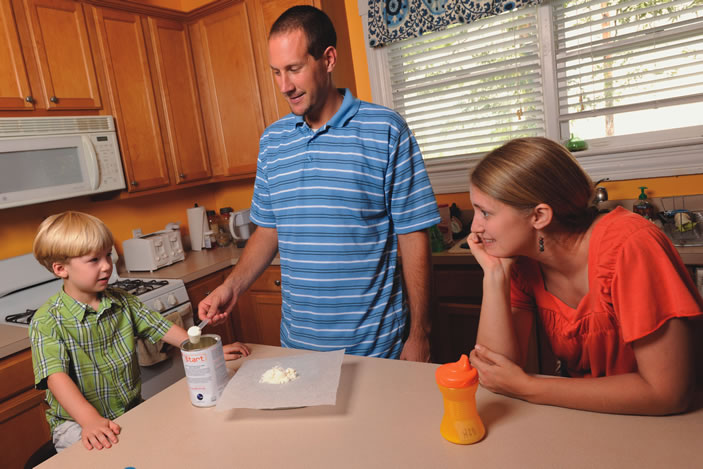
(206, 373)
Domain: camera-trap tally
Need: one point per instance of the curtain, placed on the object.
(395, 20)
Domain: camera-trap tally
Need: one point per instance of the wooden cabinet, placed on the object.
(201, 288)
(120, 37)
(265, 13)
(259, 317)
(229, 89)
(23, 425)
(44, 45)
(182, 120)
(15, 92)
(59, 42)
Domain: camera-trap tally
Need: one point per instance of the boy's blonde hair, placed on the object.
(70, 234)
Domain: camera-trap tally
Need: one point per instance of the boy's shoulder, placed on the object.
(50, 310)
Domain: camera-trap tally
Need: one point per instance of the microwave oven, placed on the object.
(51, 158)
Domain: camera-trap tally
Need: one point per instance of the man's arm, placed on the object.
(258, 254)
(416, 258)
(96, 431)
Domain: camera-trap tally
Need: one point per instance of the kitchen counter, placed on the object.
(13, 339)
(387, 415)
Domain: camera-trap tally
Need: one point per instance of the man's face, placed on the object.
(303, 80)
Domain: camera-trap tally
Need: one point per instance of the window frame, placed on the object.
(672, 152)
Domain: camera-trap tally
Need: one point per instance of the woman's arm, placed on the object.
(663, 383)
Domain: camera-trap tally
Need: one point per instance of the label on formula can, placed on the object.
(205, 368)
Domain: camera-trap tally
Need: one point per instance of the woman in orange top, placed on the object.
(610, 289)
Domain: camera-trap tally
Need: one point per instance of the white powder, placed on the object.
(194, 334)
(278, 375)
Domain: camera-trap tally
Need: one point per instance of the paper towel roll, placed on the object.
(197, 225)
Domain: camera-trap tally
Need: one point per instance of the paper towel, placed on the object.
(197, 225)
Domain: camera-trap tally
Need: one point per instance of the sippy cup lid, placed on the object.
(457, 375)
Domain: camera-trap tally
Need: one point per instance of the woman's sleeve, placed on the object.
(651, 285)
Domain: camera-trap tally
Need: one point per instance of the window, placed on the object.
(622, 74)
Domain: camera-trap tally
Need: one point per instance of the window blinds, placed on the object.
(467, 89)
(625, 55)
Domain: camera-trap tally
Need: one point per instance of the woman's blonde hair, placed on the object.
(526, 172)
(70, 234)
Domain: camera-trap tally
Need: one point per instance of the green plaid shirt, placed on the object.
(96, 349)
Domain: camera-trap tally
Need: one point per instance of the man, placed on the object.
(340, 190)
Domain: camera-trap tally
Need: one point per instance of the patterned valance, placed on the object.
(394, 20)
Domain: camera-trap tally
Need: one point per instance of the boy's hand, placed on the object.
(235, 350)
(99, 433)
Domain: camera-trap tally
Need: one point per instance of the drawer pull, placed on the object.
(277, 283)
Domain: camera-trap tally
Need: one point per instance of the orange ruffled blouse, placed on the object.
(637, 282)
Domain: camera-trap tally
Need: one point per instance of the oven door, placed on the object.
(156, 378)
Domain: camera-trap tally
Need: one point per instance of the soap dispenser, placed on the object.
(643, 207)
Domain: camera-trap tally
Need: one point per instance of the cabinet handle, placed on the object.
(182, 176)
(277, 283)
(54, 99)
(29, 99)
(134, 183)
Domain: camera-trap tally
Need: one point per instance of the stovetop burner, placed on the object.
(21, 318)
(138, 287)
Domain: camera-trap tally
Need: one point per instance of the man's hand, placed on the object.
(416, 348)
(218, 304)
(98, 432)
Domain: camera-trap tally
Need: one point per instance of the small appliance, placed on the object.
(153, 251)
(240, 225)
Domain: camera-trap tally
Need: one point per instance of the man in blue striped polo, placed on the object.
(341, 190)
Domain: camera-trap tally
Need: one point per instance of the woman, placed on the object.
(610, 289)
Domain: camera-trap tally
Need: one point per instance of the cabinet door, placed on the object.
(260, 308)
(267, 12)
(183, 124)
(23, 427)
(122, 44)
(201, 288)
(15, 92)
(229, 89)
(60, 42)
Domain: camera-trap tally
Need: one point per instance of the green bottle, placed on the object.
(643, 207)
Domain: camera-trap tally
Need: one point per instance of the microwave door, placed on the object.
(45, 168)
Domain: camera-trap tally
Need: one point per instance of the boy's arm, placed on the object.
(176, 335)
(96, 431)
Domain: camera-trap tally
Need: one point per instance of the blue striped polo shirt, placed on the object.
(338, 196)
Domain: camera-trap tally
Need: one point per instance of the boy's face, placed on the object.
(86, 276)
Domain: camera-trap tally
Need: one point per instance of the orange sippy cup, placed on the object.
(458, 382)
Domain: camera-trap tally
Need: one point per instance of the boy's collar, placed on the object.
(78, 309)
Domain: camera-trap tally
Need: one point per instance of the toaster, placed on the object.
(153, 251)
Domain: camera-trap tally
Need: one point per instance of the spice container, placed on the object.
(643, 207)
(223, 236)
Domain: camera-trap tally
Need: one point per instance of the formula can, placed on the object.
(206, 373)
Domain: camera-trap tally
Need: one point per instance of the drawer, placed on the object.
(16, 374)
(269, 280)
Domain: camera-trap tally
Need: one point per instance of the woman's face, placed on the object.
(504, 230)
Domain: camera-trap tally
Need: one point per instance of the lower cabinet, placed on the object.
(259, 309)
(23, 425)
(201, 288)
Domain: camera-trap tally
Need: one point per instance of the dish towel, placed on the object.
(150, 354)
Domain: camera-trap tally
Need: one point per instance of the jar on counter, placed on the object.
(213, 221)
(224, 238)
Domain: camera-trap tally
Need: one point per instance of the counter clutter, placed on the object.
(387, 414)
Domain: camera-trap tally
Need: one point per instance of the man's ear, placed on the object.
(542, 216)
(59, 270)
(330, 56)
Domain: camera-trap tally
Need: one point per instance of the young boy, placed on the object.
(84, 337)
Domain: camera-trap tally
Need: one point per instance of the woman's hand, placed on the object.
(499, 374)
(488, 262)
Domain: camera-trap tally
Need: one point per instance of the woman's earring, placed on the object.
(541, 244)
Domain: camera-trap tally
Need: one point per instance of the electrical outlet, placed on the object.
(136, 233)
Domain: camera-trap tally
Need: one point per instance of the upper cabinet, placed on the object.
(59, 42)
(15, 92)
(122, 44)
(224, 58)
(182, 119)
(265, 13)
